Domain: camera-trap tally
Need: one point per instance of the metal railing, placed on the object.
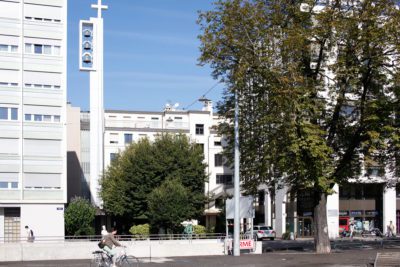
(96, 238)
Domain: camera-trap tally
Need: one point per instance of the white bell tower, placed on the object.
(91, 59)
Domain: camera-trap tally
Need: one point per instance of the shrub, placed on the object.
(199, 229)
(79, 217)
(141, 230)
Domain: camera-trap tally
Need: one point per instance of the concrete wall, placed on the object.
(44, 220)
(83, 250)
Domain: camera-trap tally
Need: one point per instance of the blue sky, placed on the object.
(150, 57)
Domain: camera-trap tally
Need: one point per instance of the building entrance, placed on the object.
(304, 226)
(12, 225)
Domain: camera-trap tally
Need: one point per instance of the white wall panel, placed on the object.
(42, 78)
(36, 147)
(9, 10)
(40, 11)
(8, 177)
(10, 76)
(44, 110)
(42, 180)
(9, 146)
(8, 39)
(46, 2)
(30, 40)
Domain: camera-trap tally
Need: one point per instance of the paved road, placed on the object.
(355, 252)
(347, 258)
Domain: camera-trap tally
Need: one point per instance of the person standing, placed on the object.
(30, 237)
(351, 229)
(391, 229)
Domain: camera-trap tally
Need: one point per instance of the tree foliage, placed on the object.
(79, 217)
(144, 166)
(169, 205)
(318, 91)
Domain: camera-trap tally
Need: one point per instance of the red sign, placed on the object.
(246, 244)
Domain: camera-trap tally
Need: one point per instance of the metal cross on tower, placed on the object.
(99, 8)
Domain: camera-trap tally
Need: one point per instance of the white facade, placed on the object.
(33, 38)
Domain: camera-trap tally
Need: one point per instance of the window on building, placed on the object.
(218, 160)
(14, 114)
(224, 179)
(57, 118)
(57, 50)
(3, 113)
(28, 48)
(8, 113)
(200, 129)
(47, 118)
(3, 185)
(128, 138)
(3, 48)
(37, 117)
(217, 143)
(47, 49)
(38, 49)
(28, 117)
(113, 156)
(14, 185)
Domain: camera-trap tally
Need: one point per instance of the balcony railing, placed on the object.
(142, 124)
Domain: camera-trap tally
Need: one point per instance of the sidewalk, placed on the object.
(291, 259)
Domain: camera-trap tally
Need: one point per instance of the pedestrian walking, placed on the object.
(30, 237)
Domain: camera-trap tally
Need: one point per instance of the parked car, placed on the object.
(261, 231)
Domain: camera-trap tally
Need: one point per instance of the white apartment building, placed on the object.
(33, 66)
(368, 203)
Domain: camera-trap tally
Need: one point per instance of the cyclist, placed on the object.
(112, 247)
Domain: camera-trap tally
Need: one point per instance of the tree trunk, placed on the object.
(321, 237)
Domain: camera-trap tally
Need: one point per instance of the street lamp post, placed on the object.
(236, 223)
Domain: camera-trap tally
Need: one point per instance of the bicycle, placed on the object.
(102, 259)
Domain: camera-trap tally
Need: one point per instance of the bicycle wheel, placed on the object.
(129, 261)
(98, 263)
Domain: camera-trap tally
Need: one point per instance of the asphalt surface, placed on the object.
(345, 253)
(349, 258)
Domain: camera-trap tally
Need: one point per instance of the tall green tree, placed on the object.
(144, 166)
(168, 205)
(79, 217)
(318, 91)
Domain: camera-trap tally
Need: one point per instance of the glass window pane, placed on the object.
(56, 118)
(3, 184)
(47, 86)
(3, 113)
(28, 117)
(14, 184)
(128, 138)
(47, 118)
(57, 87)
(47, 49)
(38, 49)
(3, 48)
(38, 117)
(14, 114)
(14, 48)
(28, 48)
(57, 50)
